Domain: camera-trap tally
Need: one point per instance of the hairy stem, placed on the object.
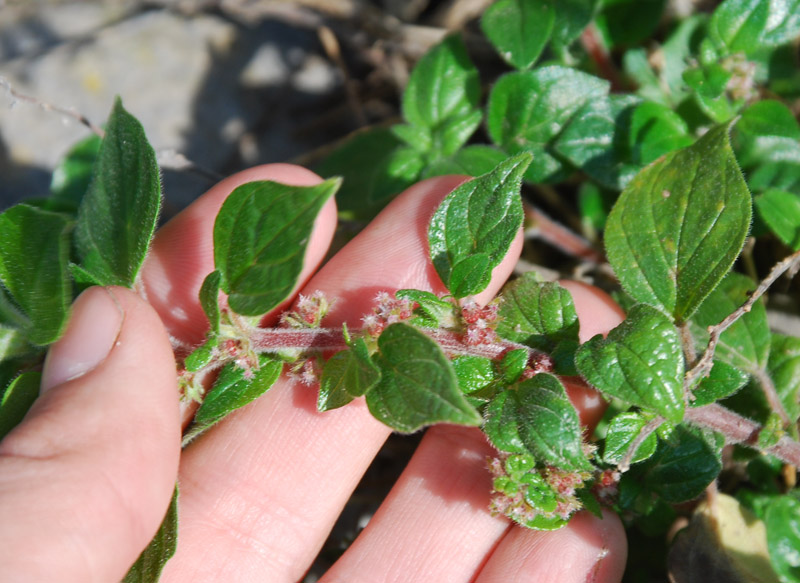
(738, 429)
(559, 236)
(705, 363)
(625, 464)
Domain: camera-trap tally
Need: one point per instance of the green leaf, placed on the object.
(473, 161)
(418, 386)
(347, 374)
(148, 567)
(209, 299)
(34, 250)
(780, 210)
(537, 314)
(13, 342)
(784, 370)
(641, 362)
(596, 140)
(637, 67)
(682, 466)
(622, 431)
(72, 176)
(738, 25)
(118, 214)
(519, 29)
(260, 240)
(431, 311)
(528, 109)
(233, 390)
(656, 130)
(679, 225)
(374, 167)
(572, 16)
(678, 50)
(17, 400)
(473, 228)
(536, 417)
(745, 344)
(723, 381)
(202, 355)
(783, 23)
(708, 84)
(628, 22)
(444, 85)
(783, 536)
(475, 374)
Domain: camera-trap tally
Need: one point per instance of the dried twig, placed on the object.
(46, 106)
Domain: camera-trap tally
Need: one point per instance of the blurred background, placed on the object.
(224, 83)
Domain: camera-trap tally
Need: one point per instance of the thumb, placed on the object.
(86, 478)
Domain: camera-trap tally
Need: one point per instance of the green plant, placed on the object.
(671, 173)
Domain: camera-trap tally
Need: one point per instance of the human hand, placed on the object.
(86, 478)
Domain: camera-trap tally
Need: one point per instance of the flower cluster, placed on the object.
(541, 498)
(308, 312)
(480, 322)
(388, 310)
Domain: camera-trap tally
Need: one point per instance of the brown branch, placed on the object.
(738, 429)
(559, 236)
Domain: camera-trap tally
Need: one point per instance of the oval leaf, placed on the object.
(536, 313)
(34, 250)
(641, 362)
(151, 562)
(260, 239)
(418, 386)
(519, 29)
(679, 225)
(537, 417)
(473, 228)
(347, 374)
(783, 536)
(118, 214)
(528, 109)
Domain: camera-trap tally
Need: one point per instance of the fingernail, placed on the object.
(92, 331)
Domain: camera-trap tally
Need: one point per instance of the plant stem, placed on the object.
(705, 363)
(559, 236)
(771, 394)
(625, 464)
(738, 429)
(332, 339)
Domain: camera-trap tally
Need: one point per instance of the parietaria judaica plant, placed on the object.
(674, 155)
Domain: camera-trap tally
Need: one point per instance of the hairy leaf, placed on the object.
(738, 25)
(627, 22)
(209, 299)
(537, 417)
(683, 465)
(723, 381)
(656, 130)
(233, 390)
(34, 250)
(784, 370)
(443, 86)
(519, 29)
(260, 240)
(17, 400)
(72, 176)
(473, 161)
(783, 536)
(780, 210)
(418, 386)
(571, 17)
(148, 567)
(596, 140)
(745, 344)
(641, 362)
(474, 227)
(347, 374)
(537, 314)
(679, 225)
(528, 109)
(118, 214)
(622, 431)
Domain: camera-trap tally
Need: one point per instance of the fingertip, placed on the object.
(597, 312)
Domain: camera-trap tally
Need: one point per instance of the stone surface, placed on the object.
(220, 93)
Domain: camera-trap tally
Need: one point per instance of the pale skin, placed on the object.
(86, 478)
